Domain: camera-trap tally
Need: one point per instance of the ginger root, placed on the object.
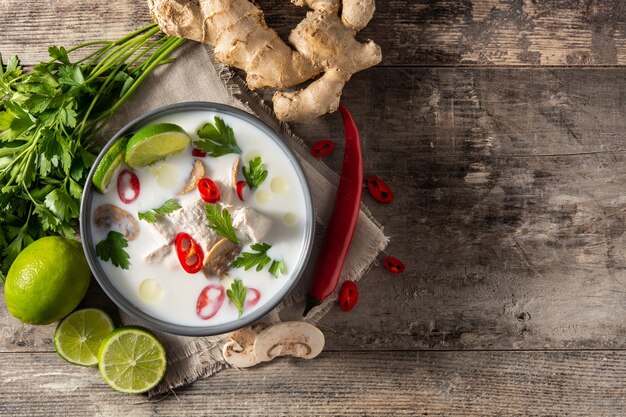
(324, 43)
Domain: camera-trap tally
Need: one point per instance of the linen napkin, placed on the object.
(197, 76)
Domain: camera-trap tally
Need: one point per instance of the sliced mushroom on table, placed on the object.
(113, 217)
(238, 350)
(250, 346)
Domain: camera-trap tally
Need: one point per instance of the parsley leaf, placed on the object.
(237, 294)
(221, 222)
(113, 248)
(256, 173)
(277, 267)
(248, 260)
(49, 117)
(219, 139)
(62, 204)
(150, 216)
(259, 259)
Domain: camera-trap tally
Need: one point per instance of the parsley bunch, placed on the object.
(48, 120)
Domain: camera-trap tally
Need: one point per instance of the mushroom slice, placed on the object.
(108, 215)
(197, 173)
(238, 350)
(220, 256)
(235, 173)
(294, 338)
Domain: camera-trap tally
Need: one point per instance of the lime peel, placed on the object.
(154, 143)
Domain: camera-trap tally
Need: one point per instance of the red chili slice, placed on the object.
(128, 186)
(240, 186)
(210, 301)
(322, 148)
(252, 297)
(393, 265)
(379, 190)
(348, 295)
(198, 153)
(208, 190)
(190, 254)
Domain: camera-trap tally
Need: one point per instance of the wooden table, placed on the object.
(500, 125)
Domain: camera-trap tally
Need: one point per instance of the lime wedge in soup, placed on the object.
(79, 335)
(132, 360)
(154, 143)
(109, 163)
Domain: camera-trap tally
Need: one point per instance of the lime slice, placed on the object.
(131, 360)
(154, 143)
(79, 335)
(108, 164)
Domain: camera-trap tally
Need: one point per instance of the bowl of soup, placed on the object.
(199, 220)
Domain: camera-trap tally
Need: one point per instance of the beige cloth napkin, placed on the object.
(196, 76)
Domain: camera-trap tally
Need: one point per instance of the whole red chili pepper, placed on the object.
(343, 220)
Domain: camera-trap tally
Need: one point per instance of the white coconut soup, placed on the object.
(274, 213)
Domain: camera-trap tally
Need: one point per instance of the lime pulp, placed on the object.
(132, 360)
(79, 335)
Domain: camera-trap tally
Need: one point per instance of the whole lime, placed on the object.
(47, 280)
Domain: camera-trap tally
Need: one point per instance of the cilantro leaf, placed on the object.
(221, 222)
(113, 248)
(256, 173)
(259, 260)
(237, 294)
(219, 139)
(248, 260)
(150, 216)
(277, 267)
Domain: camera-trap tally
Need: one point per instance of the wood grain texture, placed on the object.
(510, 215)
(410, 32)
(510, 211)
(341, 384)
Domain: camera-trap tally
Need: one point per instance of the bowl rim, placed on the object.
(135, 312)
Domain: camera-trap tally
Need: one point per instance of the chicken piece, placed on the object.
(251, 226)
(251, 223)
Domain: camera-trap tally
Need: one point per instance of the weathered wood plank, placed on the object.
(341, 384)
(510, 211)
(411, 32)
(510, 208)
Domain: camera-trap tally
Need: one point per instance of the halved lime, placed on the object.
(154, 143)
(108, 164)
(132, 360)
(79, 335)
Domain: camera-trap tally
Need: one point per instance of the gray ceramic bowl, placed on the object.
(120, 299)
